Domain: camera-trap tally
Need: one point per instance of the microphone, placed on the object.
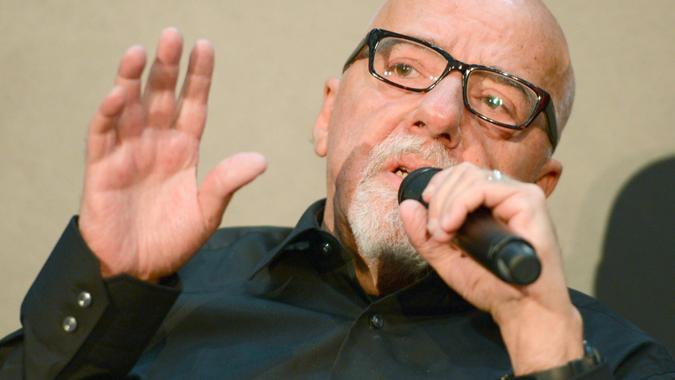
(508, 256)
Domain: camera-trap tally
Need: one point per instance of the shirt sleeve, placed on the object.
(78, 325)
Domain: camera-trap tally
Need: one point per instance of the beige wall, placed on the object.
(57, 59)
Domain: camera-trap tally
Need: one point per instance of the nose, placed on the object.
(441, 111)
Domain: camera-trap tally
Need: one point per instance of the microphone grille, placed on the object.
(414, 184)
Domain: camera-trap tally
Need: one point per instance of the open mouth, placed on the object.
(401, 171)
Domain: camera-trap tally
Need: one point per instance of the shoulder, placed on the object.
(268, 236)
(231, 254)
(602, 322)
(629, 351)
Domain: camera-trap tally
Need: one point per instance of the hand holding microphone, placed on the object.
(532, 319)
(508, 256)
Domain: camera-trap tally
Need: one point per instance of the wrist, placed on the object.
(589, 362)
(540, 339)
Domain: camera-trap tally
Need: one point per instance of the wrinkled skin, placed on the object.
(143, 212)
(359, 112)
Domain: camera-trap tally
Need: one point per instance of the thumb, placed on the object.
(224, 180)
(414, 217)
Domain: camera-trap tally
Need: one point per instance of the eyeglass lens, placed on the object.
(488, 93)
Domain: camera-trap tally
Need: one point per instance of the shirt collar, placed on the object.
(308, 236)
(429, 295)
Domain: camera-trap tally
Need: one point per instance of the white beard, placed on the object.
(374, 215)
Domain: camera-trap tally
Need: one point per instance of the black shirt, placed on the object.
(275, 303)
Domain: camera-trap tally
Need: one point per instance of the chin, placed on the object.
(378, 230)
(373, 213)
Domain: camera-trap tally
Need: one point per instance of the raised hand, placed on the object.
(142, 211)
(522, 312)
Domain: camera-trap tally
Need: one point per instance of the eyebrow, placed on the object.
(430, 40)
(433, 42)
(513, 83)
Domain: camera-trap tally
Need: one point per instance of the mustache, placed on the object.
(396, 145)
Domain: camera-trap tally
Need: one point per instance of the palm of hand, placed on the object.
(142, 211)
(143, 198)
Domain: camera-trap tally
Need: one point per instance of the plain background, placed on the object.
(58, 58)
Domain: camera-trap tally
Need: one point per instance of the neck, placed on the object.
(385, 275)
(378, 276)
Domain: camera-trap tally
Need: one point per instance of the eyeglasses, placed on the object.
(416, 65)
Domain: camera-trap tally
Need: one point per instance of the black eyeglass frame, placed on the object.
(544, 102)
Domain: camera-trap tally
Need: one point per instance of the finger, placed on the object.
(454, 171)
(473, 195)
(102, 134)
(192, 107)
(435, 182)
(530, 194)
(431, 190)
(457, 269)
(128, 77)
(442, 199)
(110, 108)
(159, 96)
(437, 254)
(451, 212)
(226, 178)
(129, 72)
(526, 214)
(414, 218)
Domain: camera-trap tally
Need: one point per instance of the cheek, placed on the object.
(519, 162)
(362, 118)
(501, 155)
(519, 155)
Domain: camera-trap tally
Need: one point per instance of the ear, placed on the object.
(549, 176)
(322, 124)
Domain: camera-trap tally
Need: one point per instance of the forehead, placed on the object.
(511, 35)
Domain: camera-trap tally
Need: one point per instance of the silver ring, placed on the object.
(495, 175)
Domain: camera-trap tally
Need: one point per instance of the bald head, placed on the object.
(363, 111)
(517, 30)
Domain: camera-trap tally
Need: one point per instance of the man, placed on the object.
(361, 288)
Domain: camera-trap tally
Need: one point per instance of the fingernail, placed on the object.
(445, 222)
(204, 42)
(428, 191)
(171, 29)
(432, 226)
(440, 235)
(135, 49)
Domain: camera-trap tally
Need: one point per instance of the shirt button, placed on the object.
(69, 324)
(84, 300)
(326, 248)
(376, 321)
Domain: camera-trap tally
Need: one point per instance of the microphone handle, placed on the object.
(507, 255)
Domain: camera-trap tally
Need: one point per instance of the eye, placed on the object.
(493, 101)
(403, 70)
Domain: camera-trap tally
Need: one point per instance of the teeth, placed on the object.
(402, 173)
